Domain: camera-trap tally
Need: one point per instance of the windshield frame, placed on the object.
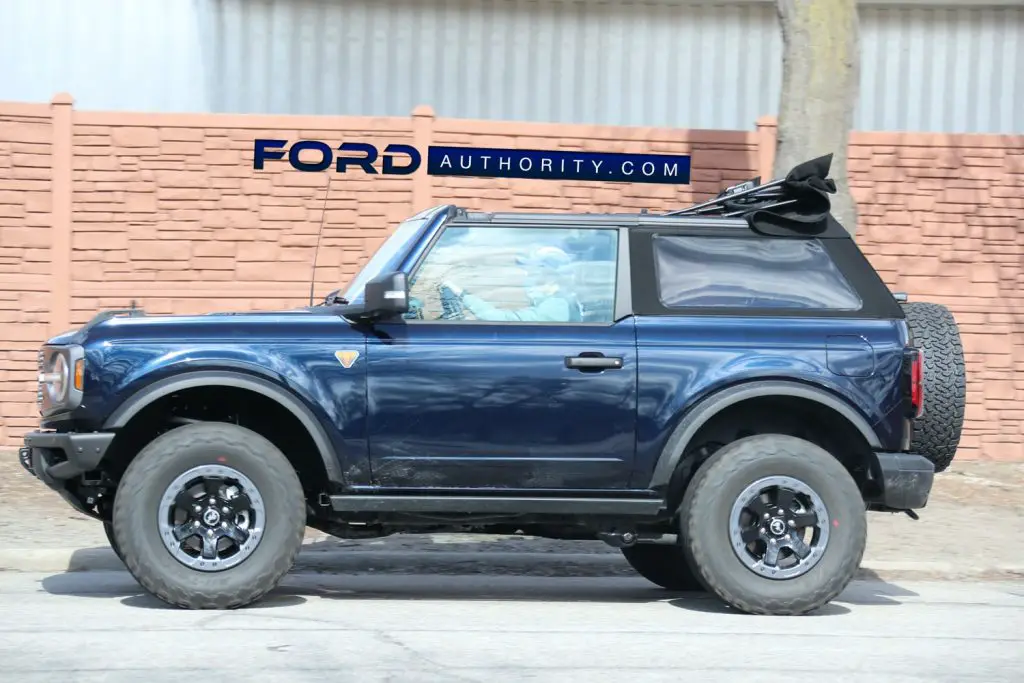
(390, 254)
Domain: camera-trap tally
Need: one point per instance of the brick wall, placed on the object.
(25, 258)
(942, 219)
(169, 211)
(98, 209)
(717, 157)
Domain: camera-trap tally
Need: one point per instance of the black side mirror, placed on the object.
(386, 295)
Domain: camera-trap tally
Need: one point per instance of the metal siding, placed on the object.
(942, 69)
(631, 63)
(657, 62)
(109, 54)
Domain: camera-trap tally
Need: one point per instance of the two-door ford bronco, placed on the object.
(722, 392)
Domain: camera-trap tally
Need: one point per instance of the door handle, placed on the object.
(593, 361)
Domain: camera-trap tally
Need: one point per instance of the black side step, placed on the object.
(616, 507)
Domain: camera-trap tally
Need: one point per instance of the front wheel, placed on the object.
(209, 516)
(774, 525)
(108, 529)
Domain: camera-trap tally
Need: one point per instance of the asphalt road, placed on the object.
(99, 626)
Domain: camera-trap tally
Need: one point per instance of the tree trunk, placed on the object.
(820, 84)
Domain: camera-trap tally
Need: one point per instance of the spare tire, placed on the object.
(937, 432)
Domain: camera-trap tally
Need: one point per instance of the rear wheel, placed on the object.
(774, 524)
(209, 516)
(937, 432)
(664, 565)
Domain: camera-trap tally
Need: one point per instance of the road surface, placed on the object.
(99, 626)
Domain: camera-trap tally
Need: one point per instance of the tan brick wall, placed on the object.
(25, 241)
(167, 210)
(942, 219)
(717, 157)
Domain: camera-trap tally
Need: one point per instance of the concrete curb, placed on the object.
(346, 561)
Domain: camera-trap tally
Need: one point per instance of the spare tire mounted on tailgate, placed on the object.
(937, 432)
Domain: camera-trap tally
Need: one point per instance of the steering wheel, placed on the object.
(451, 304)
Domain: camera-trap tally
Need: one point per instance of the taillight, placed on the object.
(917, 383)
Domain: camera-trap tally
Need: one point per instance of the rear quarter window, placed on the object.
(728, 272)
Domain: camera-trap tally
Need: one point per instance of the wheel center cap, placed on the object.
(211, 517)
(777, 526)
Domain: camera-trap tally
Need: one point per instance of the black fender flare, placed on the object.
(226, 378)
(708, 407)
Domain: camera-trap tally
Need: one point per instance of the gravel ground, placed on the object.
(975, 511)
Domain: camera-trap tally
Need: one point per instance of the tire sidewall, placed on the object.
(938, 431)
(740, 464)
(108, 529)
(137, 507)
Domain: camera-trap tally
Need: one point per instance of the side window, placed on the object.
(724, 272)
(516, 274)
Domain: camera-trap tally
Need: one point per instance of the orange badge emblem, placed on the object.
(346, 358)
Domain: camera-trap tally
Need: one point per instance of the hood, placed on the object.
(136, 324)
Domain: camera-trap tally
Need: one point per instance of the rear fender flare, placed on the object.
(225, 378)
(710, 406)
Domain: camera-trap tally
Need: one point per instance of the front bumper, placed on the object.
(56, 457)
(904, 480)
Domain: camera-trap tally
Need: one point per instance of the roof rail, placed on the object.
(803, 193)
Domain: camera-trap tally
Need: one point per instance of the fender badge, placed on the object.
(346, 358)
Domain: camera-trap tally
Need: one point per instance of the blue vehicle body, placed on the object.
(492, 408)
(720, 396)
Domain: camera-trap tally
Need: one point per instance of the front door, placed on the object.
(512, 373)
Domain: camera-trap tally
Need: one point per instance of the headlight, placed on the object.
(61, 378)
(55, 381)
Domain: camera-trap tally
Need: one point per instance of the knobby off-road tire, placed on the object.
(706, 519)
(663, 565)
(108, 529)
(937, 432)
(139, 503)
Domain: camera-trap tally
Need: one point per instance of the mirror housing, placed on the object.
(385, 296)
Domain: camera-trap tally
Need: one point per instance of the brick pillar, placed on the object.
(767, 137)
(61, 228)
(422, 136)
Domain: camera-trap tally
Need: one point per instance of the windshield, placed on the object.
(391, 247)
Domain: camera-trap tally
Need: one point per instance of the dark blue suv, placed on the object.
(721, 392)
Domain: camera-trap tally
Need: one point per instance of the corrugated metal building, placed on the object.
(939, 65)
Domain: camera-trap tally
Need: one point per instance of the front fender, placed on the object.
(287, 397)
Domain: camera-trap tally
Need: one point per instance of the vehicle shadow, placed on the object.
(117, 583)
(871, 589)
(471, 579)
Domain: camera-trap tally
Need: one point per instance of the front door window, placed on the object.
(509, 274)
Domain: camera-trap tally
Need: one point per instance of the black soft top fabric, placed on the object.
(808, 184)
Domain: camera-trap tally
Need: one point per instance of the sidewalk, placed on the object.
(970, 529)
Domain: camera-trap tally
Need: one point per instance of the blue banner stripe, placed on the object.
(476, 162)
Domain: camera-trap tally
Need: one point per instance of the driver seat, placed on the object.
(594, 285)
